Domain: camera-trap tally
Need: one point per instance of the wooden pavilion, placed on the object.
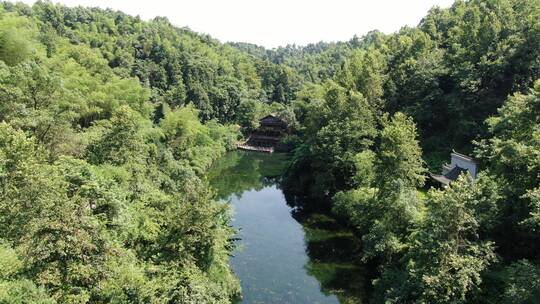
(267, 137)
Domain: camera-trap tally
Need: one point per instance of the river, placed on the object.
(283, 256)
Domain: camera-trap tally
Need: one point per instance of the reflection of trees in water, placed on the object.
(241, 171)
(268, 181)
(334, 257)
(332, 249)
(302, 205)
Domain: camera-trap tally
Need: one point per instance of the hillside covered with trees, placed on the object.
(108, 125)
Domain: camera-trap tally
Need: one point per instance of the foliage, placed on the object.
(109, 124)
(523, 283)
(98, 204)
(512, 154)
(179, 66)
(428, 89)
(447, 256)
(449, 73)
(400, 156)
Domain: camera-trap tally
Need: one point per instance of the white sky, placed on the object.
(273, 23)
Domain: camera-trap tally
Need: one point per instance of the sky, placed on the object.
(273, 23)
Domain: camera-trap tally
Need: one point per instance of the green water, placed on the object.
(284, 256)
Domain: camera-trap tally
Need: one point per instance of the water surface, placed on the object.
(284, 256)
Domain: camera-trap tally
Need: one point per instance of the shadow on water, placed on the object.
(334, 260)
(327, 251)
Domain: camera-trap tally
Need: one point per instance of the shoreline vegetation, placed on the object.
(109, 125)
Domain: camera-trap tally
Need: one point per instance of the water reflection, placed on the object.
(241, 171)
(286, 254)
(334, 258)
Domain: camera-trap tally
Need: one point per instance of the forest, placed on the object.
(109, 125)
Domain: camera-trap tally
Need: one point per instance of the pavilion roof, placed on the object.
(450, 176)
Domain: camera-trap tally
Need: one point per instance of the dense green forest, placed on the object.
(108, 125)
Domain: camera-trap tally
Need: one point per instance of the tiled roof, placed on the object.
(463, 156)
(449, 177)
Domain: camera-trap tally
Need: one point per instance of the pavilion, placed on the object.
(267, 137)
(459, 164)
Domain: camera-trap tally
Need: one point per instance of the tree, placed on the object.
(12, 288)
(400, 155)
(448, 256)
(515, 140)
(522, 284)
(364, 72)
(121, 140)
(512, 154)
(18, 37)
(341, 127)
